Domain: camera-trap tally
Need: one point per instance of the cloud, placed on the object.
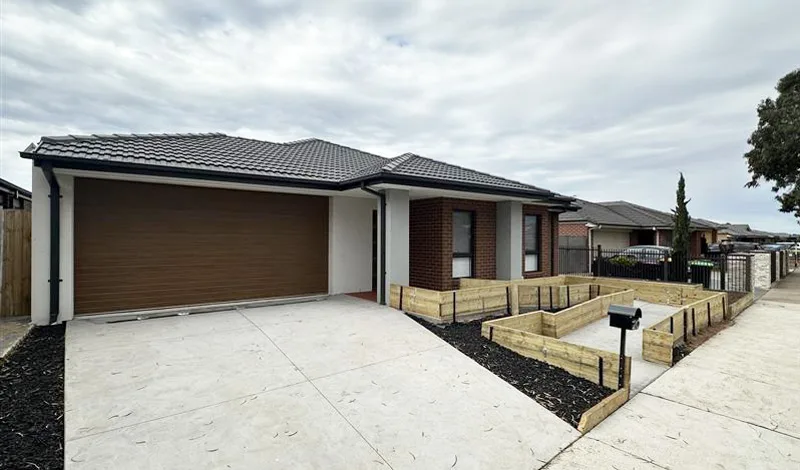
(591, 99)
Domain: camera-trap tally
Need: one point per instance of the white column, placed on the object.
(397, 247)
(350, 244)
(67, 256)
(40, 249)
(509, 240)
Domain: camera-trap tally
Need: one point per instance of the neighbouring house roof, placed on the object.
(308, 162)
(744, 231)
(595, 213)
(10, 188)
(627, 215)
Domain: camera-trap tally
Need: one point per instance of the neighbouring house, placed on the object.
(743, 233)
(13, 196)
(617, 225)
(130, 222)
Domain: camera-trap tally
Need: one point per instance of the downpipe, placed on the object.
(55, 239)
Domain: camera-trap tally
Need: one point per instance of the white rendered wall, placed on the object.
(611, 239)
(40, 249)
(397, 245)
(67, 261)
(350, 244)
(509, 240)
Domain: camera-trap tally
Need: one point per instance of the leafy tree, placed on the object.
(775, 156)
(680, 221)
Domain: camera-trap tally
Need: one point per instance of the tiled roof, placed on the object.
(640, 215)
(625, 214)
(744, 231)
(413, 165)
(311, 160)
(596, 214)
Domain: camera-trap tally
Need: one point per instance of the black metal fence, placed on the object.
(716, 271)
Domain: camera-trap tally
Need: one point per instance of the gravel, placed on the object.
(563, 394)
(32, 402)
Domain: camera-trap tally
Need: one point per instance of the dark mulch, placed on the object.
(563, 394)
(734, 296)
(32, 402)
(683, 350)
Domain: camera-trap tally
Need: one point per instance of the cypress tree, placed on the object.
(680, 220)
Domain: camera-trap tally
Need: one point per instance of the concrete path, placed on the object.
(12, 330)
(734, 403)
(335, 384)
(599, 335)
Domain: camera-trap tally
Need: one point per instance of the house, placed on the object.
(131, 222)
(619, 224)
(743, 233)
(13, 196)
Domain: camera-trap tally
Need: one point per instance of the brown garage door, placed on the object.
(141, 245)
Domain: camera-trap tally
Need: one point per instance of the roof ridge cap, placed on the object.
(397, 161)
(316, 139)
(78, 137)
(480, 172)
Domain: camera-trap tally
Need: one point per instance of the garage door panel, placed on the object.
(141, 245)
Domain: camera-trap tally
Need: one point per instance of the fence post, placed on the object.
(748, 274)
(723, 270)
(600, 272)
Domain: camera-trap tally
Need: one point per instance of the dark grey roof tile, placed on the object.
(309, 159)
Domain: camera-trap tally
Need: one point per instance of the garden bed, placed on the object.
(32, 402)
(565, 395)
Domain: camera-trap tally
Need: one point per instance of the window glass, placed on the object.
(531, 233)
(462, 244)
(462, 232)
(531, 239)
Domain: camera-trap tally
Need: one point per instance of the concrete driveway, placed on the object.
(339, 383)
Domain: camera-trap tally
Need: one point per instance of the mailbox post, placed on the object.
(624, 318)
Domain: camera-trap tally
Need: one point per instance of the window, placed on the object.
(462, 244)
(531, 231)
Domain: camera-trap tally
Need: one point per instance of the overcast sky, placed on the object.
(599, 100)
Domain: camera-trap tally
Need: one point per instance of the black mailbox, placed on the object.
(624, 317)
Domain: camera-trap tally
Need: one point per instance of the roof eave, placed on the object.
(390, 178)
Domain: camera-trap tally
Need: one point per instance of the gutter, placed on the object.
(55, 239)
(421, 182)
(382, 253)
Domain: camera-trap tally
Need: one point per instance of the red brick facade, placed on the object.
(574, 229)
(431, 241)
(548, 228)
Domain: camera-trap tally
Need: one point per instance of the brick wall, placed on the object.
(425, 234)
(431, 241)
(549, 231)
(575, 229)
